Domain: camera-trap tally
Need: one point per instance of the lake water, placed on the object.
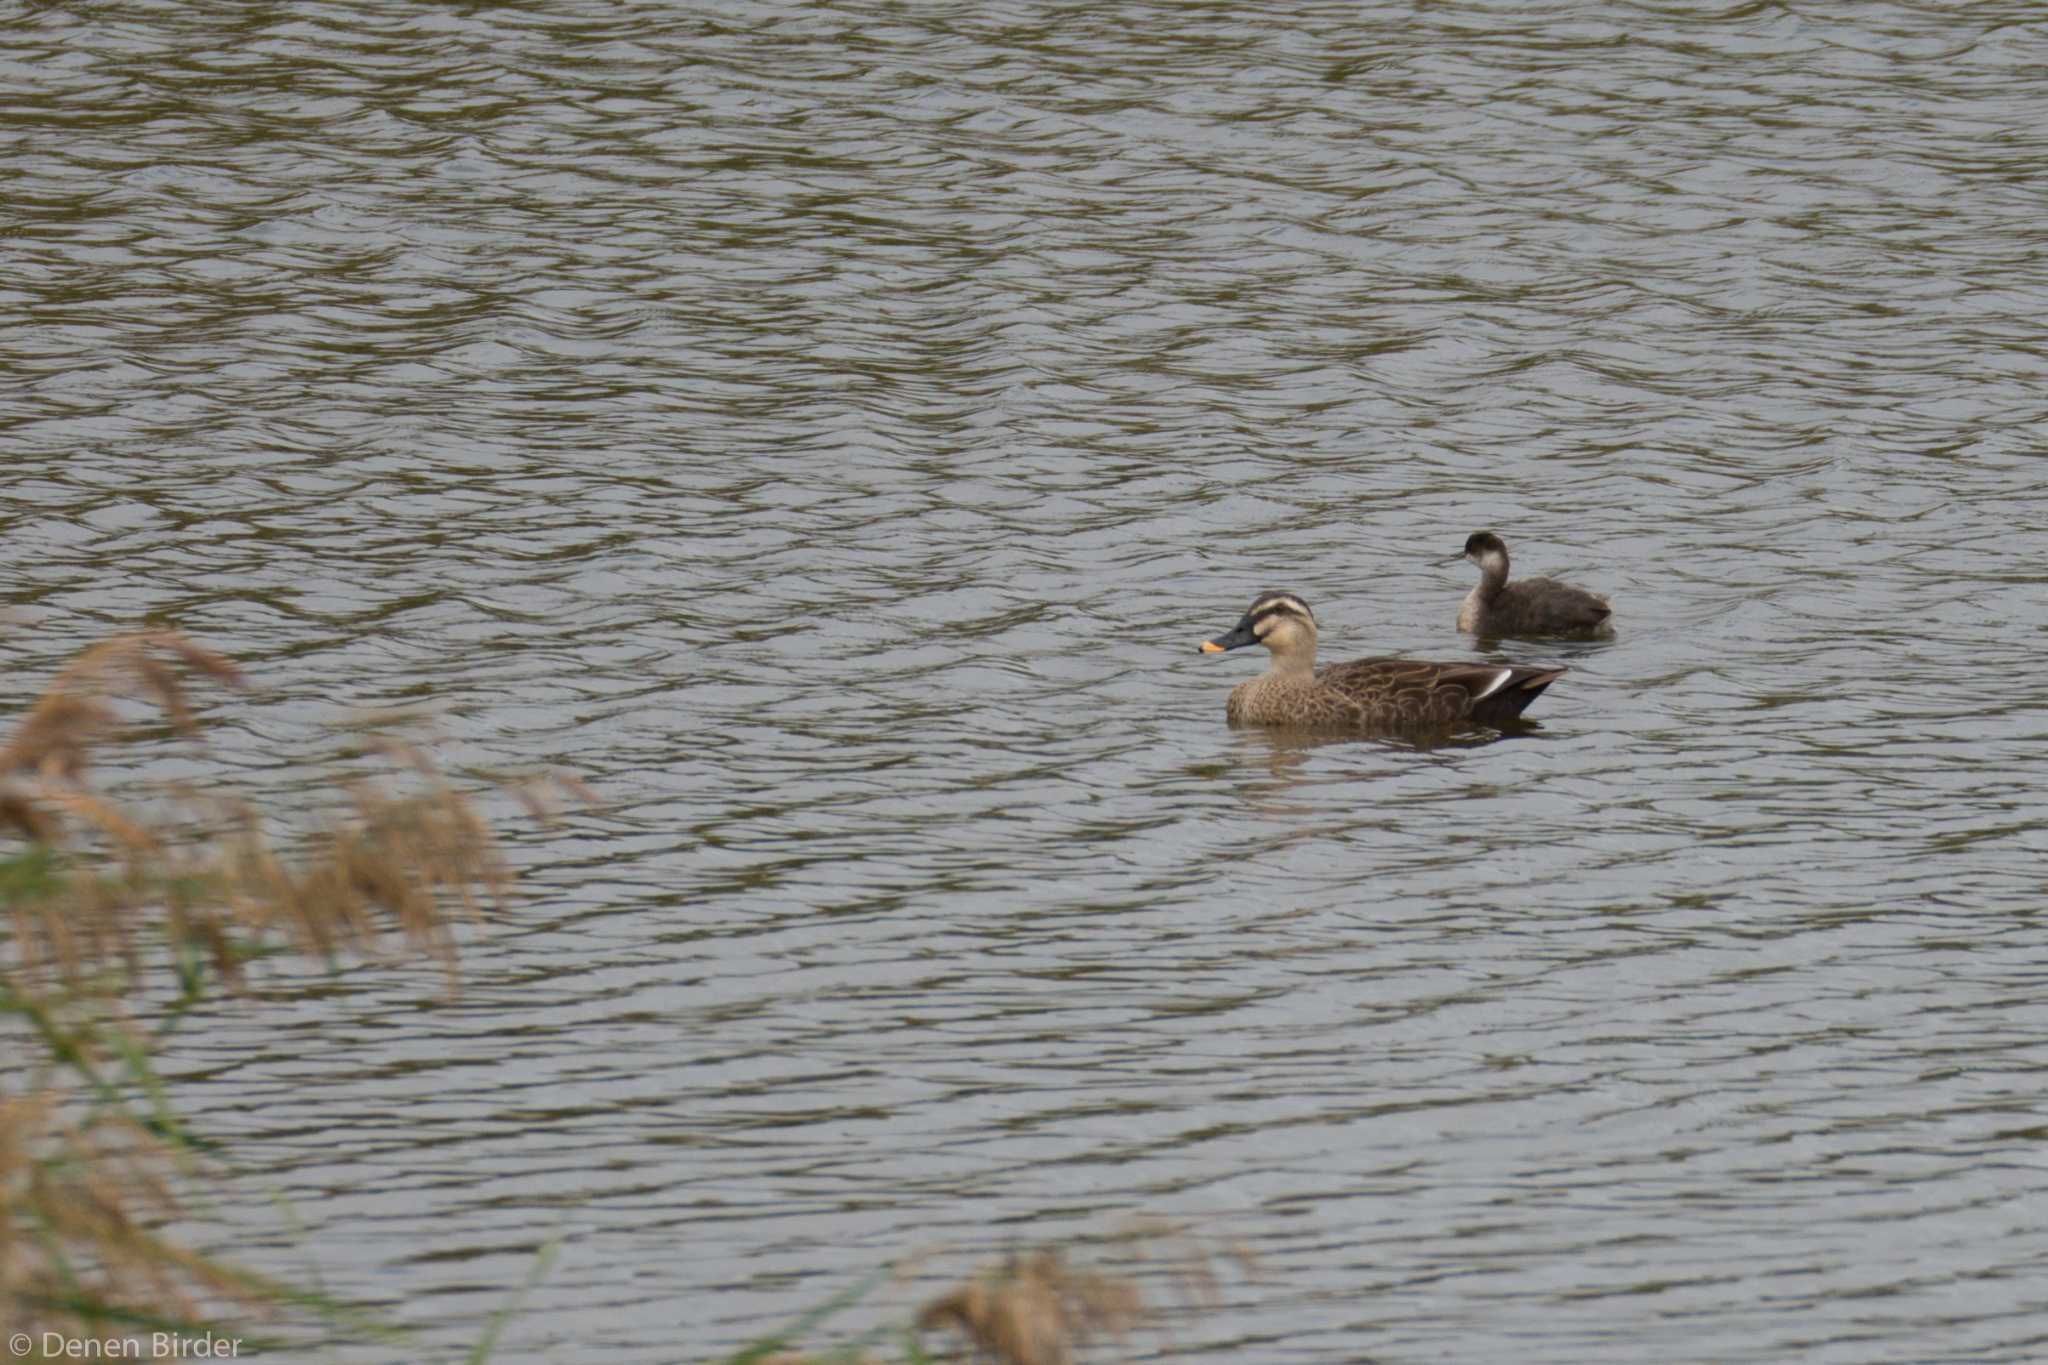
(830, 429)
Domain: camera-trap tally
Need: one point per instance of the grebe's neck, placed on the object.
(1493, 573)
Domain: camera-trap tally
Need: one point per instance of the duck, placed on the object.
(1365, 694)
(1531, 606)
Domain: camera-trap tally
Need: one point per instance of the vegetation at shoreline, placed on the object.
(120, 916)
(1046, 1306)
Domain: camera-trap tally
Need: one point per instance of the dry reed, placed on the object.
(1036, 1307)
(1039, 1308)
(100, 892)
(407, 853)
(79, 1200)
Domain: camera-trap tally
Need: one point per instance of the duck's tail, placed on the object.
(1511, 698)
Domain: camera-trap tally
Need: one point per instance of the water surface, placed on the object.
(830, 430)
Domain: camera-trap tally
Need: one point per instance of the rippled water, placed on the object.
(831, 428)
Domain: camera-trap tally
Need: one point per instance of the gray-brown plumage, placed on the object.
(1529, 606)
(1366, 694)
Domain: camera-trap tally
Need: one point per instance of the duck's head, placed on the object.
(1280, 621)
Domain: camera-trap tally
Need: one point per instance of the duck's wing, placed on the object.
(1405, 692)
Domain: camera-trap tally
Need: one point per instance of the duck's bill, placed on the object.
(1454, 559)
(1237, 639)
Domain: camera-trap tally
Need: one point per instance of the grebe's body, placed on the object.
(1528, 606)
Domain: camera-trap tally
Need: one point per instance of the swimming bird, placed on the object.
(1366, 694)
(1529, 606)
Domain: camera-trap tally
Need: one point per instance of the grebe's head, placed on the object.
(1488, 551)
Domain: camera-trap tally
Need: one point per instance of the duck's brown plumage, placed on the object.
(1527, 606)
(1365, 694)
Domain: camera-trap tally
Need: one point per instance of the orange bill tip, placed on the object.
(1211, 647)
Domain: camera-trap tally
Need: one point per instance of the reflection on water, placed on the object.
(1290, 748)
(827, 430)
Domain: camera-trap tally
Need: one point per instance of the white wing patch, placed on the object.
(1500, 680)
